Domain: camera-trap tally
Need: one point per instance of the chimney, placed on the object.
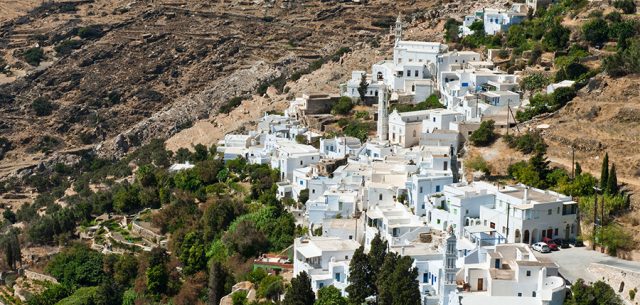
(526, 194)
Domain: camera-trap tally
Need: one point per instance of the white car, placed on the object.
(541, 247)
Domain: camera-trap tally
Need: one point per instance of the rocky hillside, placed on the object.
(114, 74)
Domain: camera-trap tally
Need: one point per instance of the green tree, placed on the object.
(627, 6)
(11, 245)
(604, 172)
(42, 107)
(183, 155)
(246, 239)
(271, 287)
(304, 196)
(331, 296)
(157, 273)
(397, 283)
(557, 37)
(125, 270)
(596, 31)
(217, 278)
(145, 175)
(77, 266)
(612, 181)
(33, 56)
(200, 152)
(342, 106)
(361, 282)
(9, 216)
(600, 293)
(578, 169)
(484, 135)
(192, 253)
(377, 254)
(451, 27)
(363, 86)
(300, 292)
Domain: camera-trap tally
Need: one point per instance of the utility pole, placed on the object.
(508, 212)
(595, 217)
(573, 161)
(508, 111)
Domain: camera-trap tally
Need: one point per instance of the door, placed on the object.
(550, 233)
(480, 284)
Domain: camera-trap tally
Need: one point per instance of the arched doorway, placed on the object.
(526, 237)
(534, 233)
(517, 240)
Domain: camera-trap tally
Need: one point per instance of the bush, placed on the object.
(596, 31)
(42, 107)
(231, 104)
(625, 61)
(484, 135)
(342, 106)
(534, 81)
(33, 56)
(67, 46)
(627, 6)
(478, 163)
(526, 143)
(90, 32)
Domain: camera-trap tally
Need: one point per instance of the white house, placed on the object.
(409, 75)
(290, 156)
(333, 203)
(325, 259)
(508, 274)
(495, 20)
(563, 84)
(520, 213)
(405, 127)
(421, 186)
(339, 147)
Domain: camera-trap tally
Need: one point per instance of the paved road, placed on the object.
(575, 261)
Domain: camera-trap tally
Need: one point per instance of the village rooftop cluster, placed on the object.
(470, 240)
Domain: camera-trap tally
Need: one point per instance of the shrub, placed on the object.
(478, 163)
(526, 143)
(627, 6)
(90, 32)
(67, 46)
(42, 107)
(484, 135)
(342, 106)
(33, 56)
(231, 104)
(534, 81)
(596, 31)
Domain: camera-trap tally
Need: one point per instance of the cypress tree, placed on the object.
(604, 173)
(300, 292)
(361, 282)
(377, 255)
(578, 169)
(217, 278)
(612, 181)
(397, 282)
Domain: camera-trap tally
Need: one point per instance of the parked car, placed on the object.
(551, 244)
(541, 247)
(563, 243)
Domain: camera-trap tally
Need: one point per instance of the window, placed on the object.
(533, 294)
(338, 277)
(380, 197)
(301, 182)
(555, 232)
(350, 236)
(408, 73)
(558, 210)
(549, 212)
(420, 190)
(438, 222)
(519, 294)
(313, 191)
(528, 272)
(320, 285)
(466, 212)
(414, 133)
(416, 73)
(437, 188)
(434, 119)
(300, 162)
(346, 257)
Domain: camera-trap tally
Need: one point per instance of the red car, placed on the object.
(552, 245)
